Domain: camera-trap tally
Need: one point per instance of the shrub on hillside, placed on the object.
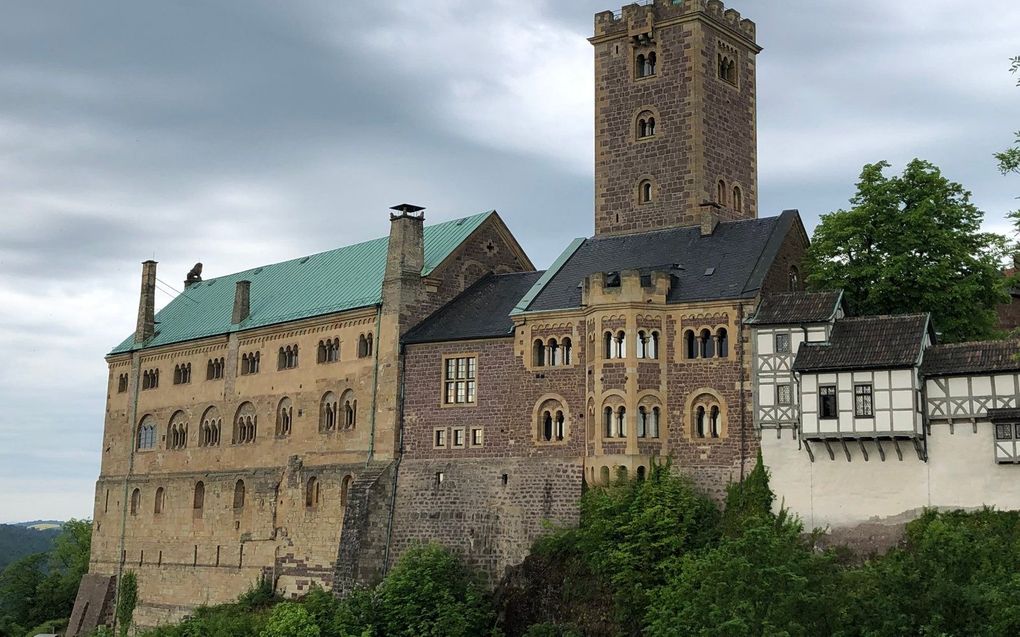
(290, 620)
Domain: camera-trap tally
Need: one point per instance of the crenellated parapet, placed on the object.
(638, 19)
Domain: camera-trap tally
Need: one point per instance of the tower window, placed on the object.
(738, 199)
(645, 125)
(794, 278)
(728, 68)
(645, 192)
(645, 64)
(720, 195)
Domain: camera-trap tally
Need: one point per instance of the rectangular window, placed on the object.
(863, 406)
(458, 437)
(439, 438)
(1004, 432)
(827, 402)
(784, 394)
(477, 437)
(459, 380)
(782, 343)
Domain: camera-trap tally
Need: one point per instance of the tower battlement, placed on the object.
(637, 18)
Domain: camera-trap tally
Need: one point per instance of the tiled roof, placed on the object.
(730, 263)
(866, 342)
(342, 279)
(797, 307)
(481, 311)
(981, 357)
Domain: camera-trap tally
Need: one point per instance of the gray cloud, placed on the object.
(242, 133)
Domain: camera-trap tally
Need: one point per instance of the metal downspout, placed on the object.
(136, 363)
(743, 399)
(375, 382)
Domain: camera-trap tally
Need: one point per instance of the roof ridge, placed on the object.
(962, 344)
(884, 316)
(343, 247)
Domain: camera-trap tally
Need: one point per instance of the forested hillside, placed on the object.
(17, 541)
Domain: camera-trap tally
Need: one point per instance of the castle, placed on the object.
(307, 421)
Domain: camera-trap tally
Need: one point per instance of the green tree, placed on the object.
(912, 243)
(290, 620)
(19, 592)
(766, 581)
(430, 594)
(127, 598)
(748, 502)
(1009, 159)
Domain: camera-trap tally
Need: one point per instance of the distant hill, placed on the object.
(25, 538)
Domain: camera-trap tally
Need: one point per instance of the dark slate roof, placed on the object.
(797, 307)
(972, 358)
(738, 255)
(481, 311)
(866, 342)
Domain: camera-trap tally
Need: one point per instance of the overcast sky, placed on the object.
(242, 133)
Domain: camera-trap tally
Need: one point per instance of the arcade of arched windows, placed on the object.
(647, 421)
(707, 416)
(552, 352)
(706, 343)
(245, 424)
(551, 420)
(177, 431)
(646, 344)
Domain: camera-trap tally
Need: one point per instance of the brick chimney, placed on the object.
(709, 220)
(146, 327)
(242, 302)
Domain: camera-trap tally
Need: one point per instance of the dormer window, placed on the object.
(645, 64)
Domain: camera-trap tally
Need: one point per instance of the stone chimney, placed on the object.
(146, 327)
(242, 302)
(405, 258)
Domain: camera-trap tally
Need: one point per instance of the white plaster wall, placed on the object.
(961, 473)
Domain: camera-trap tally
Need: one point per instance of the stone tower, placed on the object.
(674, 116)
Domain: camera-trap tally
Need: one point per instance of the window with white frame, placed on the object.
(782, 343)
(863, 405)
(827, 407)
(784, 394)
(459, 380)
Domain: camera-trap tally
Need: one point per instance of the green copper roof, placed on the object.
(333, 281)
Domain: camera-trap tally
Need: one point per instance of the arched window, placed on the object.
(621, 421)
(567, 353)
(645, 125)
(345, 487)
(642, 424)
(239, 495)
(350, 404)
(727, 69)
(538, 353)
(136, 500)
(641, 472)
(794, 278)
(642, 344)
(209, 436)
(650, 64)
(653, 345)
(608, 349)
(328, 412)
(547, 426)
(147, 433)
(552, 353)
(714, 421)
(645, 191)
(604, 475)
(362, 346)
(284, 417)
(690, 345)
(199, 501)
(620, 345)
(640, 62)
(368, 339)
(721, 193)
(177, 431)
(160, 501)
(312, 493)
(707, 346)
(608, 422)
(699, 422)
(722, 339)
(560, 427)
(738, 199)
(177, 375)
(653, 424)
(245, 424)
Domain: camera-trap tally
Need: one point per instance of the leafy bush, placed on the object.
(260, 594)
(127, 598)
(290, 620)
